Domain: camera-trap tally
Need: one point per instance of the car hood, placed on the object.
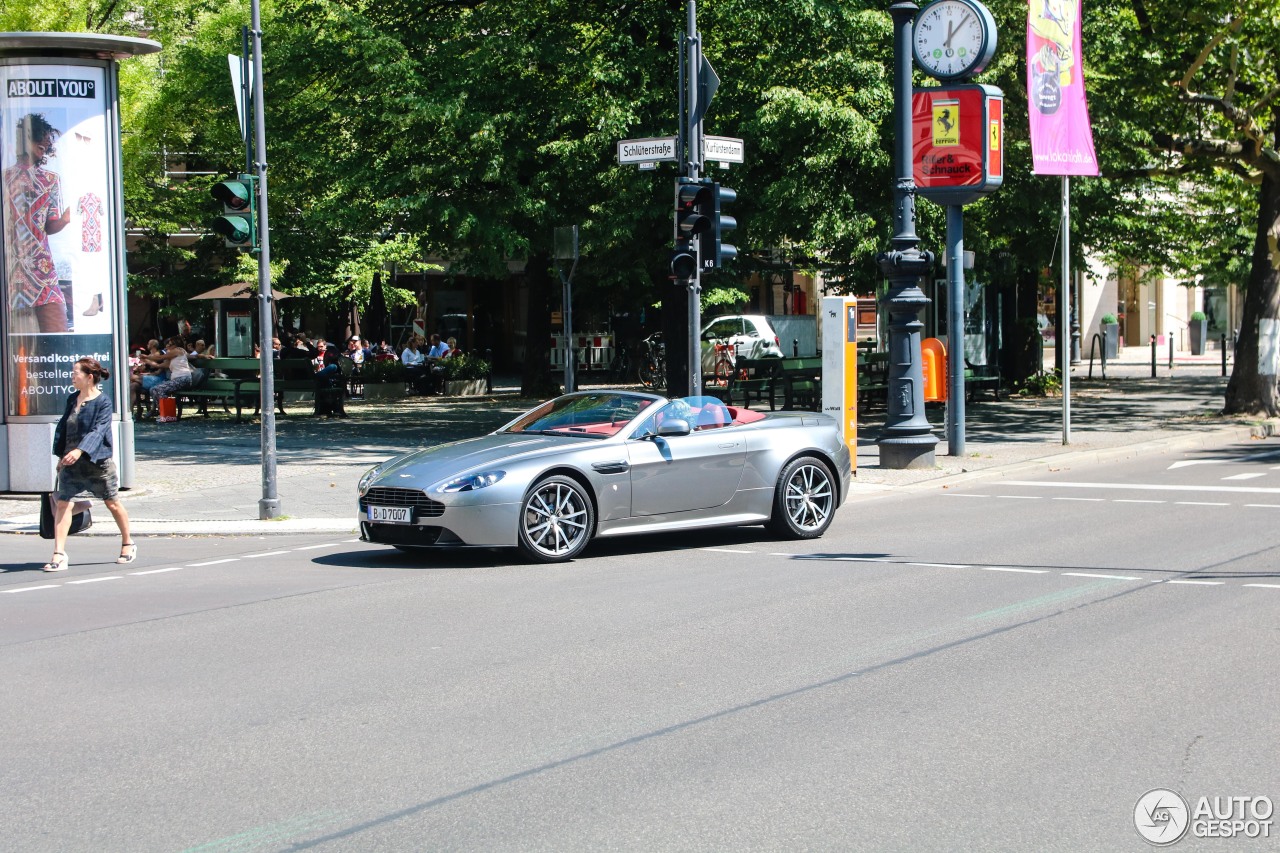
(422, 468)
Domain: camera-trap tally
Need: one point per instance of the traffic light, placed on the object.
(693, 204)
(684, 261)
(720, 251)
(238, 221)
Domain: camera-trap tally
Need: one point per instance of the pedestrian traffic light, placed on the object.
(237, 223)
(720, 251)
(684, 261)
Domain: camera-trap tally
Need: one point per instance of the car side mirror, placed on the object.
(674, 426)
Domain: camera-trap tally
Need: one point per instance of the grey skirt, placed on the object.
(88, 476)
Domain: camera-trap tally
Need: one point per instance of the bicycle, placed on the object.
(723, 369)
(620, 366)
(653, 364)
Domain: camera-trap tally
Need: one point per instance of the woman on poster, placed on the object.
(33, 196)
(82, 443)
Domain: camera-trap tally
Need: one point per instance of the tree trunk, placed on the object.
(536, 380)
(1252, 389)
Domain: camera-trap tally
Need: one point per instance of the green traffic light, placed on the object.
(235, 195)
(236, 229)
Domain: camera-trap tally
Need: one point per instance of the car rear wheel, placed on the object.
(804, 500)
(556, 520)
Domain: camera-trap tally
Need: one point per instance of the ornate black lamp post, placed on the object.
(907, 440)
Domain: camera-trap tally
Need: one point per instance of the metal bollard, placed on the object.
(1153, 356)
(795, 347)
(1171, 352)
(1224, 353)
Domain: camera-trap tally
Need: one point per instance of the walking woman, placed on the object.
(82, 443)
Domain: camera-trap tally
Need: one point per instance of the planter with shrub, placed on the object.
(1198, 331)
(465, 375)
(1110, 336)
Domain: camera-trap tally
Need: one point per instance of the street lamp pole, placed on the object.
(907, 440)
(269, 505)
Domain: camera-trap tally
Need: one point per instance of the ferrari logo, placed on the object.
(946, 123)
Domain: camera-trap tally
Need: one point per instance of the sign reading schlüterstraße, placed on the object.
(647, 150)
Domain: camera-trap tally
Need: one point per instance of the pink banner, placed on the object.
(1061, 137)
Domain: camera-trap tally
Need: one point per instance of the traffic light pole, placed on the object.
(907, 440)
(693, 149)
(269, 505)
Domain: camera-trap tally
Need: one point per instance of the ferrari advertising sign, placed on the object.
(957, 142)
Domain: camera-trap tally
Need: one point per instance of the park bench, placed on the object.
(754, 378)
(981, 376)
(873, 375)
(801, 381)
(237, 381)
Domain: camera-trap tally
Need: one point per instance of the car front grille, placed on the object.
(424, 507)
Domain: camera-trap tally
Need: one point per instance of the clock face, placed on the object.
(953, 38)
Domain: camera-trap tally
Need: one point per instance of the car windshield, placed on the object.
(589, 415)
(698, 413)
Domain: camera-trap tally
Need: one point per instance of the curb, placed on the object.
(1265, 429)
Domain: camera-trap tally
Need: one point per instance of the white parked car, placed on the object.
(748, 335)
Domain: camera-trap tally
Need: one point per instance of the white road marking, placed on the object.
(265, 554)
(1264, 506)
(1020, 571)
(727, 550)
(1135, 501)
(965, 495)
(1108, 577)
(1020, 497)
(1096, 500)
(96, 580)
(1150, 487)
(1184, 463)
(1264, 585)
(32, 588)
(1200, 503)
(310, 547)
(213, 562)
(940, 565)
(1252, 476)
(159, 571)
(1199, 583)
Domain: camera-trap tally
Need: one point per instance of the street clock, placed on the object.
(954, 39)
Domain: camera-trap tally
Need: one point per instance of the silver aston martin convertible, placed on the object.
(609, 463)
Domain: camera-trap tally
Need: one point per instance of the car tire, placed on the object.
(804, 499)
(556, 520)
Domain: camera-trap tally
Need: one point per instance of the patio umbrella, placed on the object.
(375, 316)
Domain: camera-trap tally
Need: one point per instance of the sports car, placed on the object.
(609, 463)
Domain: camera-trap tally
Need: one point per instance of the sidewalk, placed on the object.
(202, 476)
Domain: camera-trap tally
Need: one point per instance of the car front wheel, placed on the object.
(804, 500)
(556, 520)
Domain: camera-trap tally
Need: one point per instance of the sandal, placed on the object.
(58, 563)
(128, 553)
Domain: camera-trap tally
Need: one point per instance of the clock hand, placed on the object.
(951, 31)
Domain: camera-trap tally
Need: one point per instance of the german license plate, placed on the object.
(391, 514)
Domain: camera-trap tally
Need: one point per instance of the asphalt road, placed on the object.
(1004, 665)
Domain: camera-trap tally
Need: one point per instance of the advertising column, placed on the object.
(62, 254)
(58, 269)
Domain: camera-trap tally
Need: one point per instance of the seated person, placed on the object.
(147, 374)
(330, 385)
(300, 347)
(415, 367)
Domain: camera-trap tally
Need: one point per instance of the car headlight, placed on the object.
(369, 476)
(471, 482)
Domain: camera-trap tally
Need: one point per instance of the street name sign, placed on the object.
(647, 150)
(724, 149)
